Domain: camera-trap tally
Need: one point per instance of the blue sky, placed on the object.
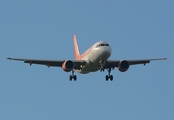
(43, 29)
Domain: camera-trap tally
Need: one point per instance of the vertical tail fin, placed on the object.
(76, 48)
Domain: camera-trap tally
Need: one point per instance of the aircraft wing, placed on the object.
(115, 63)
(49, 63)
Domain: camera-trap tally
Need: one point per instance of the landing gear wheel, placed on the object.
(107, 77)
(70, 77)
(111, 77)
(75, 77)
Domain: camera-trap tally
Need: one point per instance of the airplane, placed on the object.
(92, 60)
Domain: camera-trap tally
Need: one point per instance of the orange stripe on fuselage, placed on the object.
(86, 53)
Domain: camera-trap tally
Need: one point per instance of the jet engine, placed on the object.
(68, 65)
(123, 66)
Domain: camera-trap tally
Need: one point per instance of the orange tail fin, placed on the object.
(76, 48)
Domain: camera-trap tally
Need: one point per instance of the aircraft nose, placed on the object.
(107, 52)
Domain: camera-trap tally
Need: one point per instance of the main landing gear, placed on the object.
(72, 76)
(109, 76)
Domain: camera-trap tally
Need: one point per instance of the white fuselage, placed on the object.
(96, 54)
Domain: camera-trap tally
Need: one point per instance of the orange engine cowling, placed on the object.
(68, 65)
(123, 66)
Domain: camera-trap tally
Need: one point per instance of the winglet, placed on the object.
(5, 58)
(76, 48)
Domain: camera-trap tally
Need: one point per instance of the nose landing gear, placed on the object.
(102, 63)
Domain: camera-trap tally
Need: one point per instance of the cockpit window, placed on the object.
(102, 45)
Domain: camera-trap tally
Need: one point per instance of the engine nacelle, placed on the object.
(123, 66)
(68, 65)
